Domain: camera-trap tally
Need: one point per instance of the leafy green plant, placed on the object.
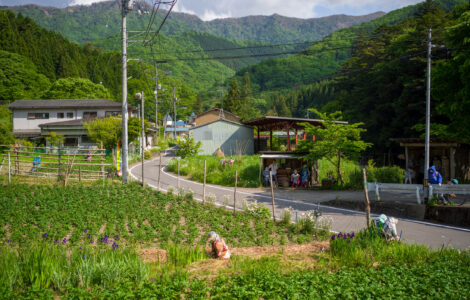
(187, 146)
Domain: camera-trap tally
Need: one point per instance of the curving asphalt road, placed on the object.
(432, 235)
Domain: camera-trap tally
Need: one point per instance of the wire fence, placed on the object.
(54, 163)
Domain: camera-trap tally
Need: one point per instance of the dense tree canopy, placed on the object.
(76, 88)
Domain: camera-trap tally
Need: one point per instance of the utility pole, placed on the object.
(428, 121)
(174, 113)
(126, 6)
(143, 137)
(156, 105)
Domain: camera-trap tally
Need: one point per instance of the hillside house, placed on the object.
(34, 119)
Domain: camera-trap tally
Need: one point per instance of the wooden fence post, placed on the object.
(17, 164)
(159, 169)
(102, 162)
(272, 193)
(58, 169)
(204, 185)
(366, 194)
(9, 168)
(235, 192)
(178, 178)
(79, 173)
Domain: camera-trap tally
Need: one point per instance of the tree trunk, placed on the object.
(340, 176)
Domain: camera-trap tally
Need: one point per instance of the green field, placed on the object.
(90, 242)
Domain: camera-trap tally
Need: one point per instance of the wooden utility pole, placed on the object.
(366, 194)
(272, 193)
(235, 192)
(204, 185)
(143, 136)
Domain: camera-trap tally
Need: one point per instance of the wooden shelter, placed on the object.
(451, 158)
(287, 160)
(287, 124)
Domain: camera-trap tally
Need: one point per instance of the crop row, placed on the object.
(134, 214)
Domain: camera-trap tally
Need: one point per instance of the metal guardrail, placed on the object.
(460, 189)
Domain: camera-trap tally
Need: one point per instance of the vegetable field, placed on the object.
(136, 215)
(127, 242)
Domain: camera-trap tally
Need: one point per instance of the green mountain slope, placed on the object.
(324, 57)
(99, 20)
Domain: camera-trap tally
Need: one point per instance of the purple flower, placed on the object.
(45, 235)
(8, 241)
(340, 235)
(115, 246)
(64, 240)
(345, 237)
(83, 256)
(352, 234)
(85, 231)
(349, 241)
(56, 241)
(81, 248)
(333, 237)
(89, 236)
(116, 238)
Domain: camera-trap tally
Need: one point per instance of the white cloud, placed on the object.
(84, 2)
(211, 15)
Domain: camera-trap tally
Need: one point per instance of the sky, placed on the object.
(213, 9)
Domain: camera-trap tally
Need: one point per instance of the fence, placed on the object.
(459, 189)
(62, 164)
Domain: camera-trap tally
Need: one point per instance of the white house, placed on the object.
(35, 118)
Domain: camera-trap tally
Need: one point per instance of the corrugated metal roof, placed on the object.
(178, 129)
(66, 103)
(222, 120)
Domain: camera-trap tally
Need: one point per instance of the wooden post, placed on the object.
(272, 193)
(259, 141)
(288, 138)
(58, 169)
(296, 138)
(366, 194)
(452, 162)
(79, 173)
(159, 169)
(102, 162)
(235, 192)
(204, 185)
(406, 158)
(17, 166)
(178, 178)
(9, 168)
(271, 140)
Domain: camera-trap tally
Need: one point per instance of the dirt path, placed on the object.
(153, 255)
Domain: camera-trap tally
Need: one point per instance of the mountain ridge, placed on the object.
(254, 28)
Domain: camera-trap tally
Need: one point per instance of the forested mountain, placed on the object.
(99, 20)
(33, 59)
(324, 57)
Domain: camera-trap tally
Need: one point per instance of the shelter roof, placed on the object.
(408, 141)
(178, 129)
(279, 123)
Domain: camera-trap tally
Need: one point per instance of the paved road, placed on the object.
(344, 220)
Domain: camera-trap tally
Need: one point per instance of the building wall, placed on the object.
(212, 116)
(232, 138)
(21, 122)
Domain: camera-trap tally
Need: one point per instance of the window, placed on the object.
(60, 115)
(71, 142)
(38, 116)
(90, 114)
(113, 113)
(70, 115)
(86, 140)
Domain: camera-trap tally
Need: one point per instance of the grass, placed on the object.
(246, 165)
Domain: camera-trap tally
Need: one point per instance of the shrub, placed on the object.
(286, 216)
(256, 209)
(187, 147)
(147, 155)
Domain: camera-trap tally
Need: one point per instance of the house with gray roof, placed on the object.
(34, 119)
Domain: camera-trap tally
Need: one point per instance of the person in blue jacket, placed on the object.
(434, 176)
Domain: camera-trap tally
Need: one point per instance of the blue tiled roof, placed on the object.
(178, 129)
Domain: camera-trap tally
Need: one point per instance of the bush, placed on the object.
(147, 155)
(256, 209)
(187, 147)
